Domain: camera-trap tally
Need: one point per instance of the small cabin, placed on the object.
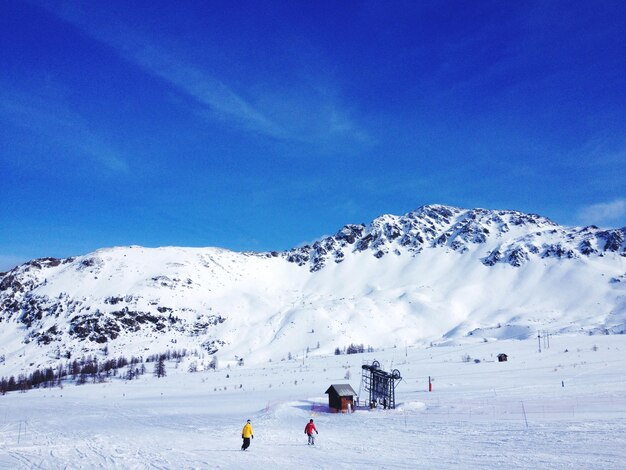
(340, 398)
(502, 357)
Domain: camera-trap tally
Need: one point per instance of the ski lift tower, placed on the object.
(380, 385)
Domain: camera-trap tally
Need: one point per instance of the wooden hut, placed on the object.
(340, 397)
(502, 357)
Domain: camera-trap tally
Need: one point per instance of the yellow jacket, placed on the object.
(247, 430)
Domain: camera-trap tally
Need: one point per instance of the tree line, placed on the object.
(89, 369)
(353, 349)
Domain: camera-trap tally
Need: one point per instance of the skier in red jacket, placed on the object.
(308, 430)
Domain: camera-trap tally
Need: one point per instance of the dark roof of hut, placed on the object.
(341, 389)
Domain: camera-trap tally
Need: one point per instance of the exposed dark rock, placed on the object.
(364, 243)
(493, 257)
(586, 249)
(202, 325)
(349, 234)
(212, 346)
(517, 257)
(458, 229)
(10, 281)
(96, 328)
(48, 336)
(557, 251)
(41, 263)
(613, 239)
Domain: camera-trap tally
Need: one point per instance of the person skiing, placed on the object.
(246, 435)
(308, 430)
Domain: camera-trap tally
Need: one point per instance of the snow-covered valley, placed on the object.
(438, 292)
(562, 408)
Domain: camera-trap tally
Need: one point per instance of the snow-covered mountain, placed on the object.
(436, 274)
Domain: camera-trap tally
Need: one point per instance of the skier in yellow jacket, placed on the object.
(246, 435)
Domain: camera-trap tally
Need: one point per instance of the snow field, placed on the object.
(516, 414)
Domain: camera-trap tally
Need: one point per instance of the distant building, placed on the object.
(502, 357)
(340, 397)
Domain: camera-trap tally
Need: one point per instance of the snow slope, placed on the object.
(562, 408)
(436, 274)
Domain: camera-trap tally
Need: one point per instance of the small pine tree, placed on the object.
(159, 368)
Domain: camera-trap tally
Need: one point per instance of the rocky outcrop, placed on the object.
(512, 237)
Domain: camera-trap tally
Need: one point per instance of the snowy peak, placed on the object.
(509, 237)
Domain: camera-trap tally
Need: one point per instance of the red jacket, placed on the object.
(310, 427)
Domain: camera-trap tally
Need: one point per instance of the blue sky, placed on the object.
(261, 125)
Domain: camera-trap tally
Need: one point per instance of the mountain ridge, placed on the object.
(419, 229)
(437, 273)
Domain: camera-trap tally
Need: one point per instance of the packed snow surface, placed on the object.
(564, 407)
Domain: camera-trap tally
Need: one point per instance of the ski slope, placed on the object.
(553, 409)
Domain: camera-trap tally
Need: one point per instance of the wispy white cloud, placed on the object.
(311, 117)
(611, 213)
(204, 88)
(53, 119)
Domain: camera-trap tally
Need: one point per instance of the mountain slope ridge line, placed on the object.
(436, 274)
